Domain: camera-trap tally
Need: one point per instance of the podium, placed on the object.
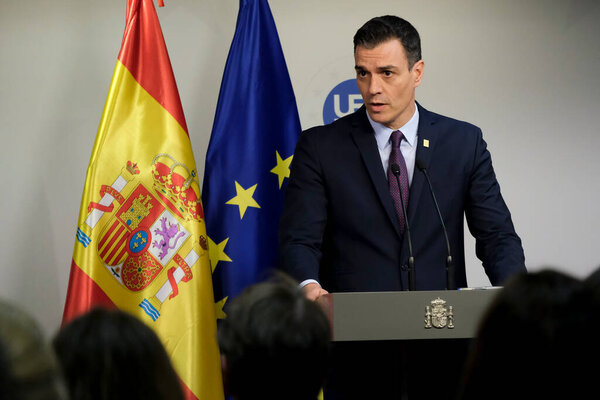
(374, 316)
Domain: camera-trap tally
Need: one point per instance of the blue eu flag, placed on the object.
(254, 134)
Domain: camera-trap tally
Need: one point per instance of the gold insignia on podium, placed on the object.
(438, 315)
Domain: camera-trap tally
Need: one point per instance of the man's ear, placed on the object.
(417, 70)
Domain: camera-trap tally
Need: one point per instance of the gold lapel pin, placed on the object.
(425, 142)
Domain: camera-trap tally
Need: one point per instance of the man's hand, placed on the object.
(313, 291)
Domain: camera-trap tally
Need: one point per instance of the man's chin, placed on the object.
(378, 117)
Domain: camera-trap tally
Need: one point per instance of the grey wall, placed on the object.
(525, 71)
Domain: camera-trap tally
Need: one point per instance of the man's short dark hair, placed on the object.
(381, 29)
(275, 342)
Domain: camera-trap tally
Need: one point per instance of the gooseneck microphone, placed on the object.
(412, 279)
(450, 281)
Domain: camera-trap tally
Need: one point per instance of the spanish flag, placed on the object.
(141, 241)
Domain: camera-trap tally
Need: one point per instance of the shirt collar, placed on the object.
(409, 130)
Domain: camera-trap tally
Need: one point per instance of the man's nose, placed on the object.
(374, 85)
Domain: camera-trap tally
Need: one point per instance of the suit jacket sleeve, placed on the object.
(489, 220)
(304, 214)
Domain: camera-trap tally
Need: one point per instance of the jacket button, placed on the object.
(404, 267)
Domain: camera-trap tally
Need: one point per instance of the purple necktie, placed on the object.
(396, 158)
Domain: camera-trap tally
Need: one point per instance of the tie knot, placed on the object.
(397, 137)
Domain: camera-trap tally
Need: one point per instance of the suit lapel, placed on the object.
(426, 141)
(364, 138)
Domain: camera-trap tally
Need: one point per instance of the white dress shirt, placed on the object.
(408, 147)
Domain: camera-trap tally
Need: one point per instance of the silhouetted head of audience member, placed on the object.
(109, 354)
(582, 349)
(592, 282)
(274, 343)
(520, 348)
(28, 368)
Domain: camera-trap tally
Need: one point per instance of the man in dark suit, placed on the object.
(342, 226)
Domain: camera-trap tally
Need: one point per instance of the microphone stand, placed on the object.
(450, 281)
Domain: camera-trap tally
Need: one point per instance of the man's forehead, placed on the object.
(381, 61)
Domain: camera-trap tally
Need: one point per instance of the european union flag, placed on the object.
(254, 134)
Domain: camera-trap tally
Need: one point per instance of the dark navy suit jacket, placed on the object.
(339, 224)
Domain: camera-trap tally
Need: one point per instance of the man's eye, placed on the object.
(361, 73)
(387, 73)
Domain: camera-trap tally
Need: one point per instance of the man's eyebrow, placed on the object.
(382, 68)
(387, 68)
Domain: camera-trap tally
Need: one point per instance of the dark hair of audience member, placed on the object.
(28, 368)
(274, 343)
(6, 381)
(592, 282)
(520, 349)
(581, 350)
(109, 354)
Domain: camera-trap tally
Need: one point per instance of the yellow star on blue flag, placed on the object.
(282, 169)
(243, 198)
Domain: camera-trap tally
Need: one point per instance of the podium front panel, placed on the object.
(444, 314)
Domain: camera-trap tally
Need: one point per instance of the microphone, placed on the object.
(450, 281)
(412, 279)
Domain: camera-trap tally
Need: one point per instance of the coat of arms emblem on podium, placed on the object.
(438, 315)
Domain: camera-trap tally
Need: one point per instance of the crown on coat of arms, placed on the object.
(177, 184)
(132, 168)
(438, 302)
